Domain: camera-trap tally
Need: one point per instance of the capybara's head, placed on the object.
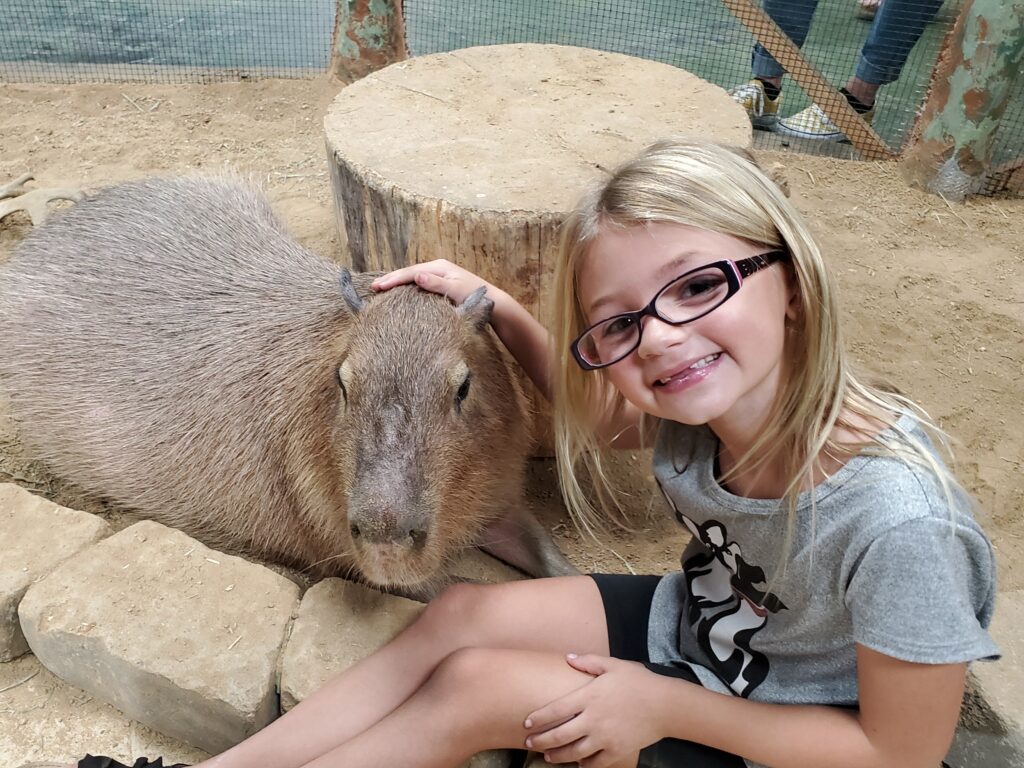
(430, 435)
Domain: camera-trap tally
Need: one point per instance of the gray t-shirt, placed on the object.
(882, 563)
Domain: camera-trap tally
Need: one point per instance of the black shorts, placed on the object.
(627, 610)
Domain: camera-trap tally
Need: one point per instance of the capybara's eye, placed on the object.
(341, 384)
(463, 392)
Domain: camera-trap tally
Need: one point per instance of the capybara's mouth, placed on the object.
(393, 565)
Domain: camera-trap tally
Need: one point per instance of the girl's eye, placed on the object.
(697, 287)
(617, 326)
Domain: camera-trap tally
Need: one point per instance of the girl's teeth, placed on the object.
(704, 362)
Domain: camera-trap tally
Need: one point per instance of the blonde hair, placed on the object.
(722, 189)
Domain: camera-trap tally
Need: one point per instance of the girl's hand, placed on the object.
(440, 276)
(606, 722)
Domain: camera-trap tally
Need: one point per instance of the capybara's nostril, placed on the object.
(419, 538)
(354, 530)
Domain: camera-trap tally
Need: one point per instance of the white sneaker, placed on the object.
(813, 123)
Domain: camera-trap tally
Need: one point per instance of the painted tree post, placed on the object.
(970, 89)
(368, 35)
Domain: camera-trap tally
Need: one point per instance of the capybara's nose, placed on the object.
(385, 529)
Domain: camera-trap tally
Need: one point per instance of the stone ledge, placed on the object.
(175, 635)
(47, 535)
(992, 721)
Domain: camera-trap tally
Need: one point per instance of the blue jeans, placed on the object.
(894, 31)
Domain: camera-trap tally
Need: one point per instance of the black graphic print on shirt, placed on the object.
(727, 605)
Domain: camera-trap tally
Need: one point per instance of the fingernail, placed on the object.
(528, 723)
(571, 655)
(529, 743)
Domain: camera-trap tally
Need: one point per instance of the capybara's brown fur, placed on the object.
(167, 346)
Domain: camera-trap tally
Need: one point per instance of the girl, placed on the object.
(835, 587)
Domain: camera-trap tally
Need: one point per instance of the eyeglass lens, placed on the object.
(686, 298)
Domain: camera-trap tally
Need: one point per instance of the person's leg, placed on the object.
(794, 18)
(761, 97)
(548, 615)
(475, 700)
(896, 29)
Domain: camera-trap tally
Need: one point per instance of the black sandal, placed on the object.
(100, 761)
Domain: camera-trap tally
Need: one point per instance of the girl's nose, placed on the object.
(657, 336)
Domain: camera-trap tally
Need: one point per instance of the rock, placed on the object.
(476, 565)
(992, 725)
(339, 622)
(31, 551)
(177, 636)
(492, 758)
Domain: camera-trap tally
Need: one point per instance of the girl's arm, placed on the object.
(907, 716)
(523, 336)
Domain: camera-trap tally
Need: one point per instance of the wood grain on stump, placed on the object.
(477, 155)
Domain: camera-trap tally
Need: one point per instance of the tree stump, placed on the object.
(477, 155)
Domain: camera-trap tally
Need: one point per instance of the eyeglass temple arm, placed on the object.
(747, 267)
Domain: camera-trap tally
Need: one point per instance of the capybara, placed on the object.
(167, 346)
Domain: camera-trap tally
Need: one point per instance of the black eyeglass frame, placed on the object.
(735, 272)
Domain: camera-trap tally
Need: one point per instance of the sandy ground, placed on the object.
(931, 294)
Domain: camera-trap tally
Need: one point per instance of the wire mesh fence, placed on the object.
(64, 41)
(841, 43)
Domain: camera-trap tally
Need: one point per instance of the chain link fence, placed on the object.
(63, 41)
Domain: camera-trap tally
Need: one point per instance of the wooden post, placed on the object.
(368, 35)
(970, 88)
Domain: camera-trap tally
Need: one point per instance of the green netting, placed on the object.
(164, 40)
(189, 40)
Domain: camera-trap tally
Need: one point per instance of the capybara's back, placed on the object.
(156, 331)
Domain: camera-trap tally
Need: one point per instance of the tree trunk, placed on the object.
(368, 35)
(970, 89)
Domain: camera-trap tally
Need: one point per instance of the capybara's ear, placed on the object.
(477, 308)
(348, 292)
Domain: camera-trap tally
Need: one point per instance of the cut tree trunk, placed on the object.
(478, 155)
(951, 152)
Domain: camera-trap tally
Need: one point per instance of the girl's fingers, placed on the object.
(576, 752)
(557, 736)
(397, 277)
(407, 274)
(554, 714)
(590, 663)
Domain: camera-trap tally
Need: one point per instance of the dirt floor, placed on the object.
(930, 292)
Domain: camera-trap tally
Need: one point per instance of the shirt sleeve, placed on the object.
(923, 591)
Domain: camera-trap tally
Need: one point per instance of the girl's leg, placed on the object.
(549, 615)
(476, 699)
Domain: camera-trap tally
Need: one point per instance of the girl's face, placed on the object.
(722, 368)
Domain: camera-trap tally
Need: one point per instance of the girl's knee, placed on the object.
(465, 683)
(467, 668)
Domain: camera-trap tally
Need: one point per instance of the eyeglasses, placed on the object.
(686, 298)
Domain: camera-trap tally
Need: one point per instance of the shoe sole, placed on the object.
(785, 130)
